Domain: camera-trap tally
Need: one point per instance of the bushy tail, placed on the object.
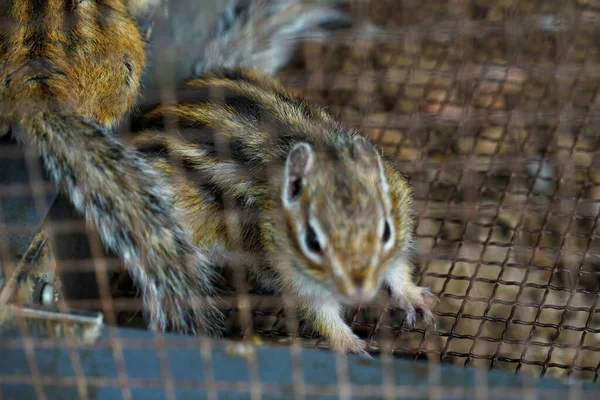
(131, 206)
(263, 33)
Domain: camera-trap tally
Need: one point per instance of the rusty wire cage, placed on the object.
(491, 108)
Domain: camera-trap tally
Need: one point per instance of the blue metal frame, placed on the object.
(272, 368)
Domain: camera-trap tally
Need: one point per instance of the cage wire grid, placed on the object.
(492, 110)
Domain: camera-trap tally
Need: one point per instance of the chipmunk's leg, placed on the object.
(408, 295)
(325, 314)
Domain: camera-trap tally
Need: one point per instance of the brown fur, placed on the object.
(69, 62)
(69, 71)
(229, 156)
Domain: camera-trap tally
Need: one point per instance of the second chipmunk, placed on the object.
(319, 214)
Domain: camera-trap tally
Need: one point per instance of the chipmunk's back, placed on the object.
(230, 136)
(87, 54)
(69, 72)
(232, 131)
(256, 118)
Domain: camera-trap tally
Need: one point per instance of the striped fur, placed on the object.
(69, 71)
(235, 132)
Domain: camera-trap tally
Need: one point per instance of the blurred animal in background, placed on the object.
(69, 72)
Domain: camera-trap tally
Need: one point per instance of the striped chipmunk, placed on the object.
(320, 216)
(69, 72)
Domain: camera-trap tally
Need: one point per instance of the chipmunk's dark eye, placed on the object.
(311, 240)
(387, 232)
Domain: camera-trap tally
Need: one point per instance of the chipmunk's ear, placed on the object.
(364, 152)
(298, 164)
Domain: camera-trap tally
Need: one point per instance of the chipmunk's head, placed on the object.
(344, 220)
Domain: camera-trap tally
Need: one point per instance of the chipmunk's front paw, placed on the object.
(420, 299)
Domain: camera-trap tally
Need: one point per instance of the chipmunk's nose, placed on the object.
(358, 281)
(355, 287)
(360, 291)
(361, 295)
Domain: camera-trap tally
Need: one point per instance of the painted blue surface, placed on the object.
(228, 368)
(185, 364)
(275, 366)
(141, 363)
(319, 367)
(274, 369)
(17, 392)
(103, 365)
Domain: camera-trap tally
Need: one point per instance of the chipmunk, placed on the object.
(69, 72)
(322, 217)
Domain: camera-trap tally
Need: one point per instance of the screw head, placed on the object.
(48, 296)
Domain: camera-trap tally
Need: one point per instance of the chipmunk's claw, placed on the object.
(359, 347)
(420, 300)
(411, 316)
(428, 317)
(429, 300)
(350, 344)
(361, 350)
(365, 354)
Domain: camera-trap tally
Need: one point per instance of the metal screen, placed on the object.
(491, 108)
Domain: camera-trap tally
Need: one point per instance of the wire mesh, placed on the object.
(492, 110)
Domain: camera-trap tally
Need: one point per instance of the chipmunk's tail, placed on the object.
(133, 212)
(263, 33)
